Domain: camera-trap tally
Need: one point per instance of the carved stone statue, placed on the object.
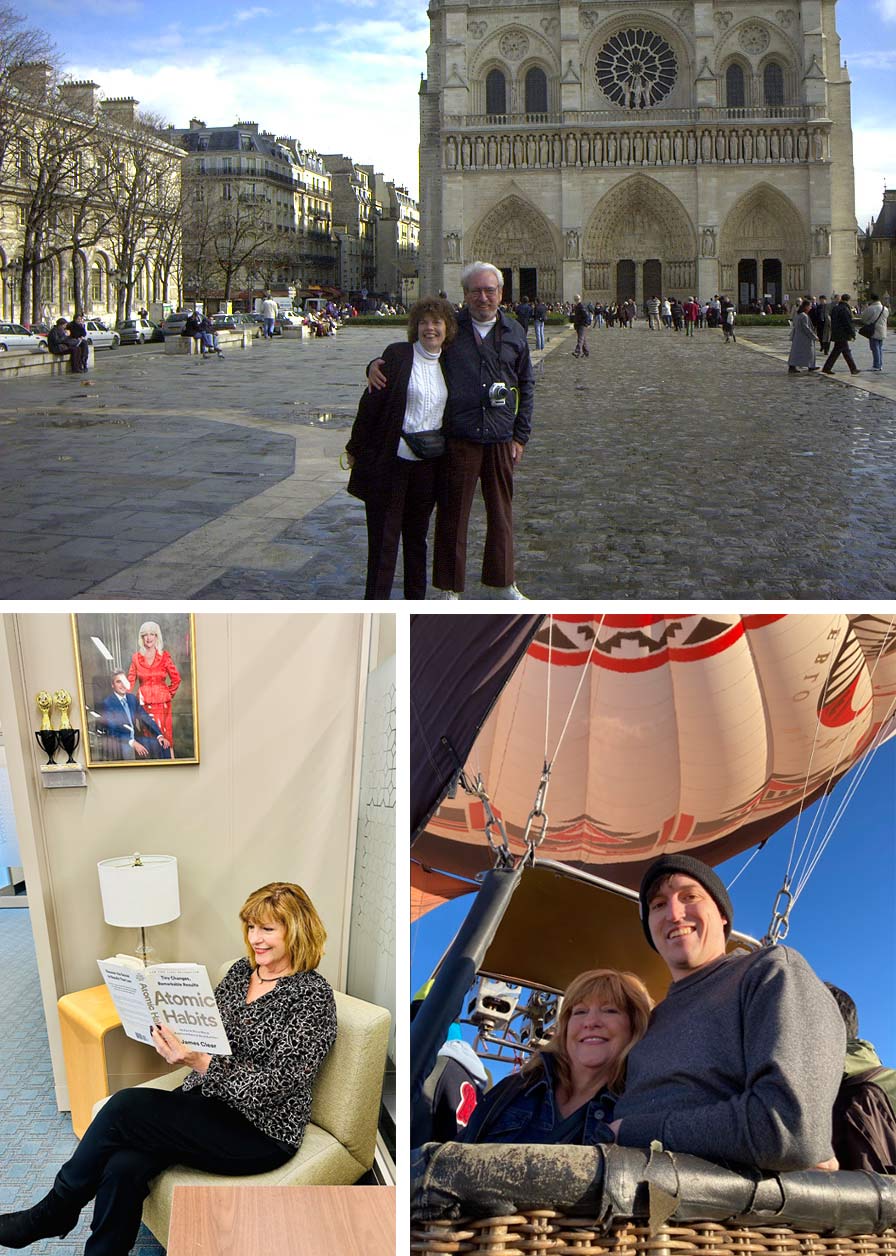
(708, 242)
(452, 247)
(572, 245)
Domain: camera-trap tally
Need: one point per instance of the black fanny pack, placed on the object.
(426, 444)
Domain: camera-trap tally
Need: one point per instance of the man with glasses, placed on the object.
(488, 419)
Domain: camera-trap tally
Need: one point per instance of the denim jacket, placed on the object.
(522, 1109)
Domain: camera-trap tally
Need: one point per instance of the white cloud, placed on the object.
(880, 59)
(246, 15)
(887, 10)
(874, 156)
(334, 103)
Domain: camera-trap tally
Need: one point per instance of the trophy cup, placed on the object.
(47, 737)
(68, 737)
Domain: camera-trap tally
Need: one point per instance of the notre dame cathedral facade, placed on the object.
(631, 148)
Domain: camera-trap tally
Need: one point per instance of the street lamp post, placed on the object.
(13, 278)
(115, 278)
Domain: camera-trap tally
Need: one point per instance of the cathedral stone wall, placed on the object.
(618, 148)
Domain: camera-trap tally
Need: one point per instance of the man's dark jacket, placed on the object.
(841, 322)
(471, 368)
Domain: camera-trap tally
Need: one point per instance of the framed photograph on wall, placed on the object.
(137, 688)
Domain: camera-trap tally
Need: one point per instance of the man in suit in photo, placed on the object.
(127, 729)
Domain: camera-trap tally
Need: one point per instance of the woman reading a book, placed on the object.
(237, 1114)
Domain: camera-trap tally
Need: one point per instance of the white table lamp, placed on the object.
(139, 891)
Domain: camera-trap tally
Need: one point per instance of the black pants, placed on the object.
(136, 1135)
(403, 516)
(840, 347)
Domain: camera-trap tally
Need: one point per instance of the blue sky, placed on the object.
(843, 923)
(344, 76)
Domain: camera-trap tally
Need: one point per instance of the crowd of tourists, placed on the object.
(830, 327)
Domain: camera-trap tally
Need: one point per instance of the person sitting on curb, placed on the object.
(742, 1060)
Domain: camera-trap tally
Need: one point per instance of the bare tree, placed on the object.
(48, 157)
(28, 59)
(137, 157)
(241, 229)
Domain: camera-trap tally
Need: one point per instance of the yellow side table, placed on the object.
(85, 1017)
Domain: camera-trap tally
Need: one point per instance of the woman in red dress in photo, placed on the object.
(152, 667)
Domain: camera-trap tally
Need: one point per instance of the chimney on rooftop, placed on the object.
(196, 125)
(33, 78)
(81, 95)
(122, 110)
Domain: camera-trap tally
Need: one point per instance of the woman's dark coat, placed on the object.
(377, 428)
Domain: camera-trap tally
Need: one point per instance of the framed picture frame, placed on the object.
(137, 688)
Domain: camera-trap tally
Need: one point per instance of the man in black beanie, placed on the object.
(742, 1060)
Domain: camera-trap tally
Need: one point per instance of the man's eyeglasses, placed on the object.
(483, 292)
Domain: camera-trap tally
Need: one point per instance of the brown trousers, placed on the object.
(465, 463)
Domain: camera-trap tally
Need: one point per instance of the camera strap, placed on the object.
(494, 367)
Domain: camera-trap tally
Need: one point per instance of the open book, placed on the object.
(178, 996)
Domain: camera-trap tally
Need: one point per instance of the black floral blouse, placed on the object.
(278, 1042)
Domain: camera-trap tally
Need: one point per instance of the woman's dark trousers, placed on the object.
(401, 516)
(136, 1135)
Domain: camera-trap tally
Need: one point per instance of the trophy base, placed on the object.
(63, 775)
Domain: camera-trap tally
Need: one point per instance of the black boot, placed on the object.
(51, 1218)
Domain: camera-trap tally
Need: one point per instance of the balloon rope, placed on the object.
(547, 702)
(816, 841)
(854, 781)
(575, 696)
(799, 815)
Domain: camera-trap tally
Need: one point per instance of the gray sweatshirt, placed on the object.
(741, 1063)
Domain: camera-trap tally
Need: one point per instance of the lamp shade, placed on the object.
(139, 891)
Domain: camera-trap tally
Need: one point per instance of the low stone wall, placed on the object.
(13, 364)
(227, 339)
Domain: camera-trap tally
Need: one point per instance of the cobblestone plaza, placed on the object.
(660, 467)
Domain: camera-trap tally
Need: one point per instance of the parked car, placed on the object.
(99, 335)
(235, 322)
(137, 331)
(289, 319)
(174, 324)
(15, 336)
(39, 329)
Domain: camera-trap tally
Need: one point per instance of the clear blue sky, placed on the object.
(344, 76)
(844, 923)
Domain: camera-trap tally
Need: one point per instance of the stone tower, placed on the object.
(624, 148)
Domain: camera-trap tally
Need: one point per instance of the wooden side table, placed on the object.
(288, 1220)
(85, 1018)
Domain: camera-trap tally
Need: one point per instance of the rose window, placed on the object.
(636, 69)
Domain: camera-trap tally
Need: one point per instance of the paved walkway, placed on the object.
(660, 467)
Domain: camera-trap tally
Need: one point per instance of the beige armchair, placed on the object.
(340, 1138)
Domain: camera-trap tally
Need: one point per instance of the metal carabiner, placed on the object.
(779, 926)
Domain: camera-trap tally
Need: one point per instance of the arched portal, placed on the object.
(515, 237)
(640, 221)
(763, 244)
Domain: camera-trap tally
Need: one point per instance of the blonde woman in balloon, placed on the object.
(153, 669)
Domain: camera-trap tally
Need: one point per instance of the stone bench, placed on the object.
(296, 333)
(227, 339)
(14, 364)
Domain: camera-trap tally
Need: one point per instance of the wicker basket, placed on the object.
(545, 1233)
